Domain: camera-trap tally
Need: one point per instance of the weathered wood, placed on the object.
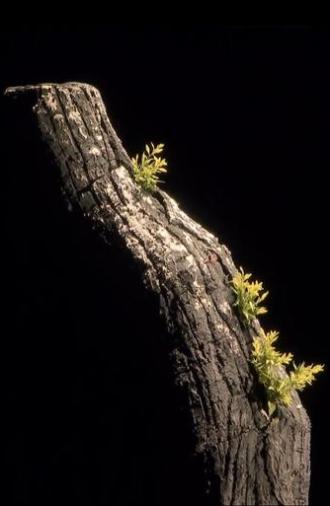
(247, 458)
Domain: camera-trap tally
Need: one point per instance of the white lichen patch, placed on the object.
(225, 307)
(206, 302)
(197, 304)
(94, 151)
(220, 327)
(58, 117)
(146, 198)
(122, 227)
(113, 195)
(134, 209)
(172, 245)
(196, 285)
(121, 172)
(172, 202)
(190, 261)
(125, 182)
(75, 116)
(50, 100)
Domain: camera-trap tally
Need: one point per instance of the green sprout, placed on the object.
(148, 166)
(268, 363)
(249, 295)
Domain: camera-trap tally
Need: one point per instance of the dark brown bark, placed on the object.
(247, 458)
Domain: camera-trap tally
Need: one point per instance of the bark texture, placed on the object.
(246, 458)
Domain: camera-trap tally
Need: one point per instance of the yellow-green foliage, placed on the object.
(249, 295)
(148, 166)
(268, 361)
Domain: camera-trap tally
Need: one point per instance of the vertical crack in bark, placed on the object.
(73, 134)
(45, 118)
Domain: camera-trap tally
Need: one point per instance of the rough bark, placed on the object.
(247, 458)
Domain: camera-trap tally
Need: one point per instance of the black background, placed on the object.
(244, 114)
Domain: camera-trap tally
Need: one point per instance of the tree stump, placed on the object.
(246, 457)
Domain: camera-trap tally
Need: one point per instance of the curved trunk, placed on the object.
(246, 457)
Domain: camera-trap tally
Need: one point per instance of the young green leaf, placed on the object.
(249, 295)
(148, 166)
(269, 362)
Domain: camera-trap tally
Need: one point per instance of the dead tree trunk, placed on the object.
(247, 458)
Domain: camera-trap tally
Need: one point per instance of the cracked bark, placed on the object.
(246, 459)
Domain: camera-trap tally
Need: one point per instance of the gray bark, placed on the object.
(247, 458)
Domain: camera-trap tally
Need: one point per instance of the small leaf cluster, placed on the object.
(148, 166)
(268, 362)
(249, 295)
